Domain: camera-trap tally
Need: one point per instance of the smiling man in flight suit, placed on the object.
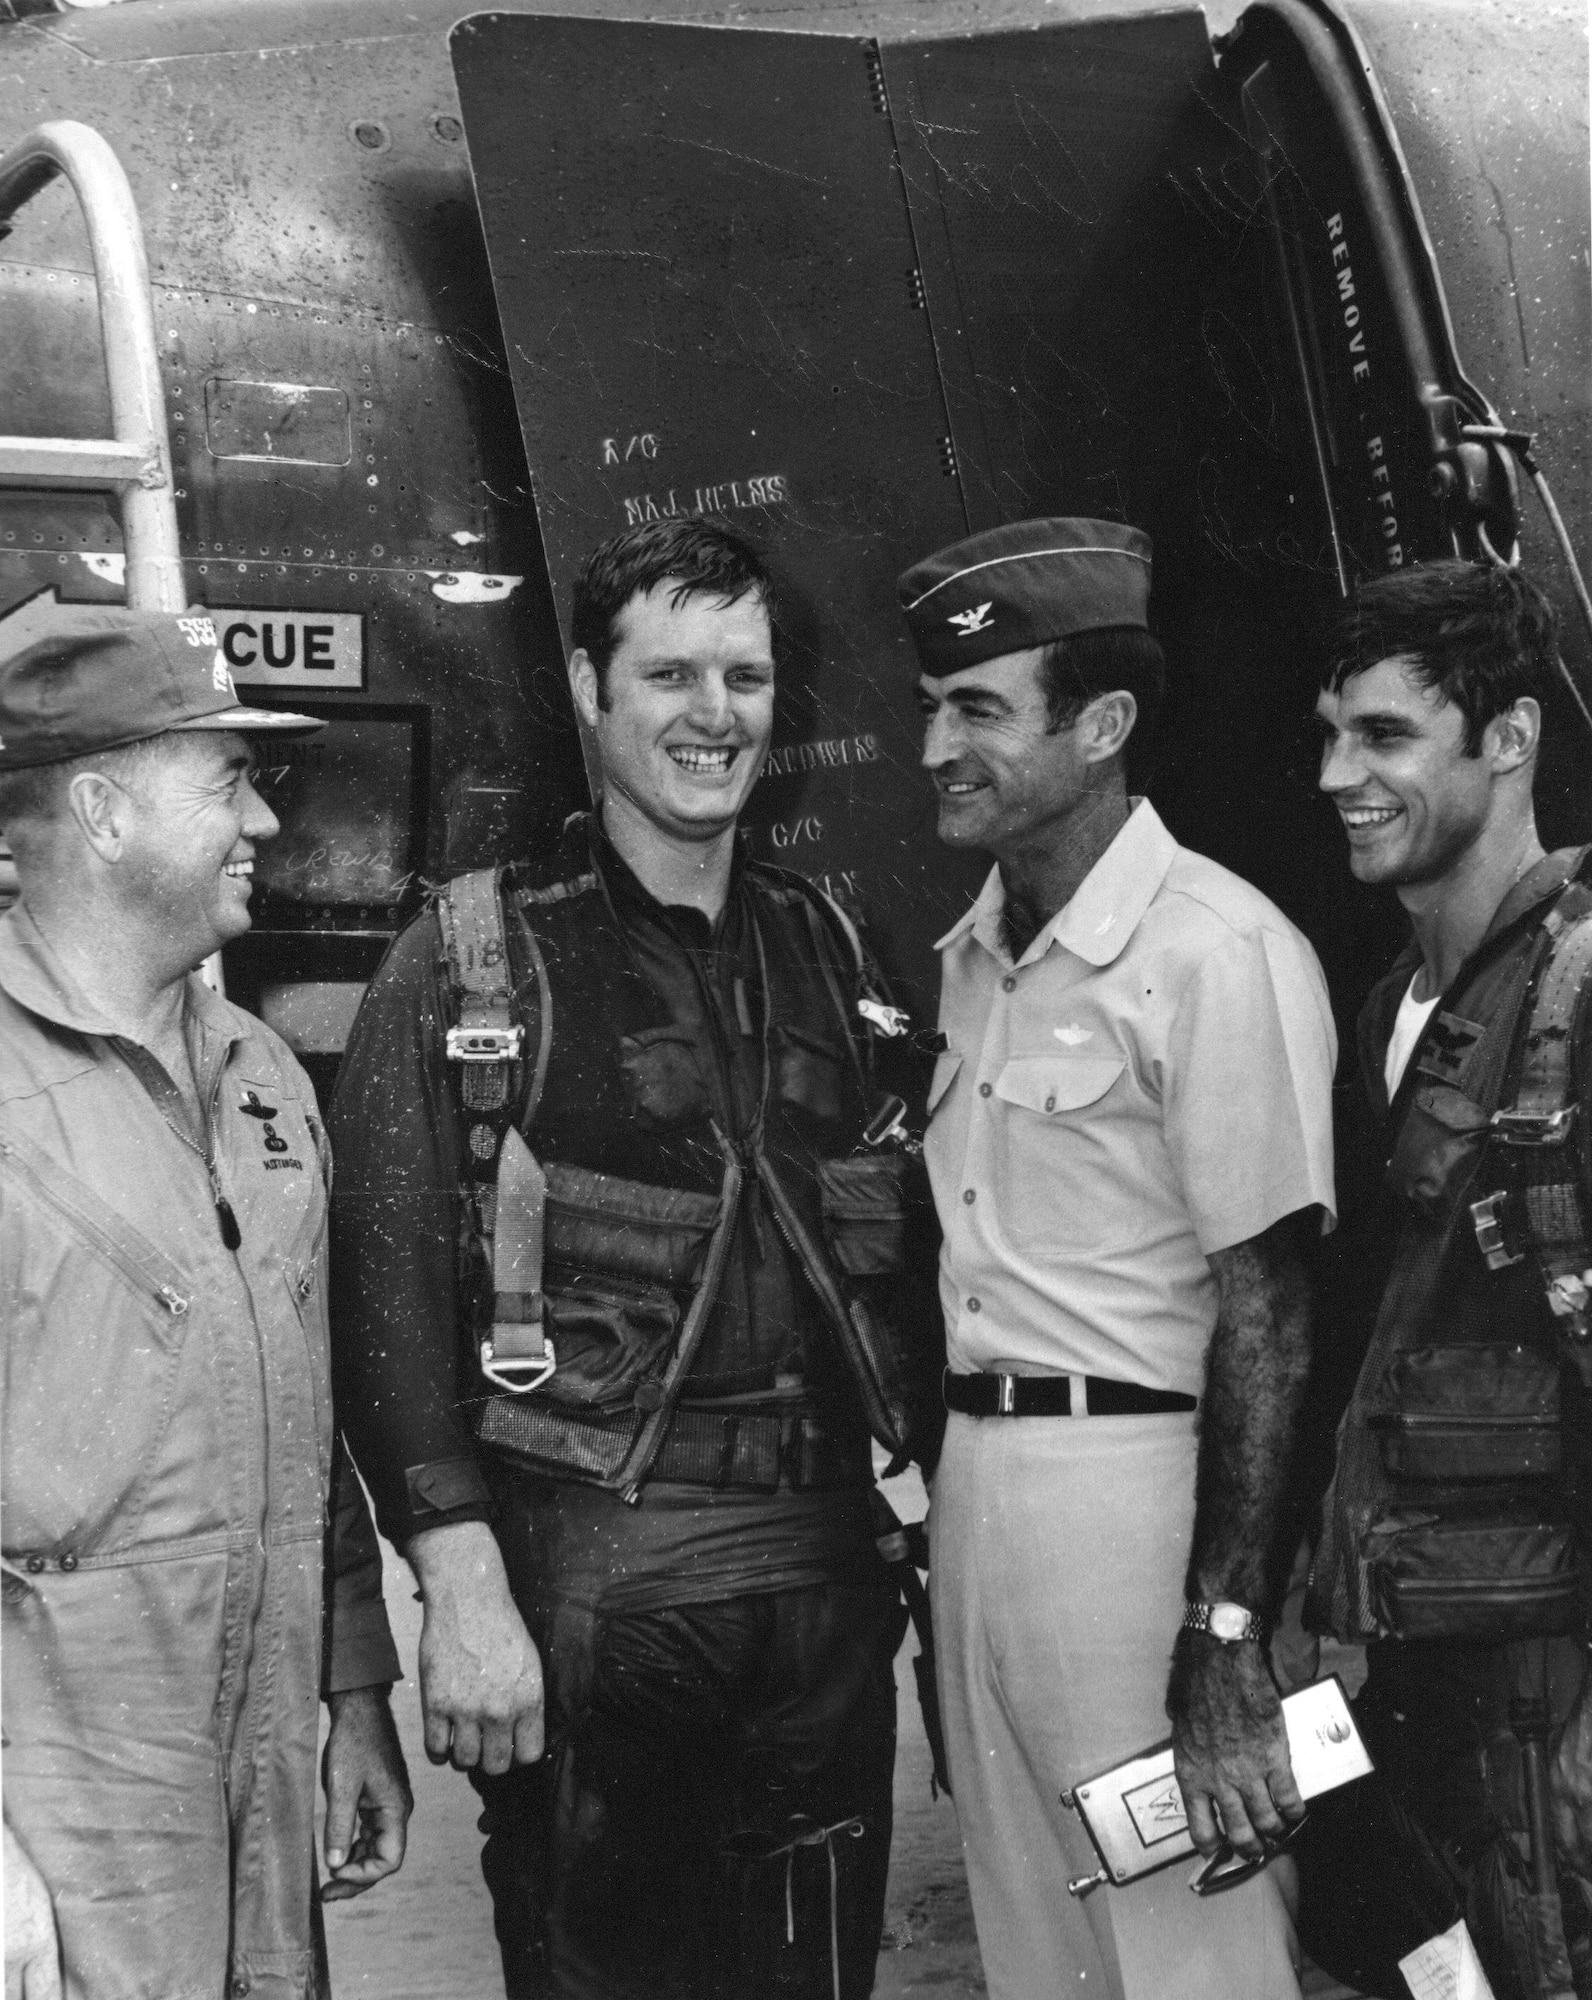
(673, 1522)
(1129, 1140)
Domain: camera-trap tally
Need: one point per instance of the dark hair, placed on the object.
(1074, 670)
(698, 555)
(1481, 635)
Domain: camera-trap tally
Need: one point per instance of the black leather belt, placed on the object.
(1051, 1396)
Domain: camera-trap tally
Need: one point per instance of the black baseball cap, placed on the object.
(1023, 585)
(75, 678)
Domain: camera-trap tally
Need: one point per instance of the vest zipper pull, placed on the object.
(231, 1235)
(743, 1011)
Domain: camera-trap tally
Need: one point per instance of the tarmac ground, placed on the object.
(427, 1933)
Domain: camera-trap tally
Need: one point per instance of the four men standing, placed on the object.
(624, 1299)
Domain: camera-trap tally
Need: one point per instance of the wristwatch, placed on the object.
(1231, 1623)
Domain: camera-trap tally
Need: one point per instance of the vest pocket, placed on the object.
(600, 1223)
(618, 1253)
(609, 1335)
(1471, 1413)
(813, 1074)
(864, 1211)
(1438, 1147)
(1503, 1574)
(665, 1078)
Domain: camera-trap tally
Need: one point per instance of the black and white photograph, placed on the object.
(795, 991)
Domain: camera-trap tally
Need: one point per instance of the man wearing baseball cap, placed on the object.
(169, 1461)
(1129, 1138)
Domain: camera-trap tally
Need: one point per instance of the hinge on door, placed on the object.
(947, 452)
(875, 62)
(915, 291)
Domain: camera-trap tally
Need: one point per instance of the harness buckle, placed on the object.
(1487, 1218)
(1569, 1296)
(1527, 1128)
(510, 1375)
(1006, 1396)
(887, 1123)
(890, 1021)
(485, 1045)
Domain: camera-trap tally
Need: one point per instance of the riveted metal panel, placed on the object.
(309, 222)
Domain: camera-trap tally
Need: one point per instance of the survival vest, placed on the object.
(592, 1287)
(1449, 1515)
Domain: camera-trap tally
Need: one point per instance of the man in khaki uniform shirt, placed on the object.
(1130, 1133)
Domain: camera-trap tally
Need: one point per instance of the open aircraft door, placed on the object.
(711, 304)
(866, 297)
(1426, 196)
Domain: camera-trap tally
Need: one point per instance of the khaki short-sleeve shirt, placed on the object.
(1149, 1083)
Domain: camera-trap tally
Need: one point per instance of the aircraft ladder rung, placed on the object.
(85, 463)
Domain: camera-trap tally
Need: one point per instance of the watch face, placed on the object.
(1229, 1621)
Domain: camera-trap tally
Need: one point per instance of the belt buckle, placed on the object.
(1006, 1395)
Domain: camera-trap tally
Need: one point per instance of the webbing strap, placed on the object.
(503, 1175)
(517, 1355)
(1541, 1124)
(486, 1038)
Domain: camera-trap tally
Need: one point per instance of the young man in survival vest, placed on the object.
(620, 1298)
(1452, 1538)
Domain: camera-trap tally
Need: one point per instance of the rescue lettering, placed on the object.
(829, 753)
(305, 649)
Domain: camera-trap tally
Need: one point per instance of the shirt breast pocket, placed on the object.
(1053, 1152)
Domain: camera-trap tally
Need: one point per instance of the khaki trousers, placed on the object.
(1058, 1548)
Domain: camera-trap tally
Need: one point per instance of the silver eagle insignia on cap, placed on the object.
(976, 620)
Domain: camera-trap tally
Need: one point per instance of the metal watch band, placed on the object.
(1197, 1618)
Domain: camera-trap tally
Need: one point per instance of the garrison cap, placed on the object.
(76, 678)
(1023, 585)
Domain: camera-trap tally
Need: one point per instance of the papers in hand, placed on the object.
(1134, 1812)
(1446, 1968)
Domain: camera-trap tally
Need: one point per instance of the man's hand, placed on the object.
(33, 1952)
(1570, 1788)
(368, 1800)
(1229, 1746)
(480, 1679)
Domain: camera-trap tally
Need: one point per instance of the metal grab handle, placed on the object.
(135, 464)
